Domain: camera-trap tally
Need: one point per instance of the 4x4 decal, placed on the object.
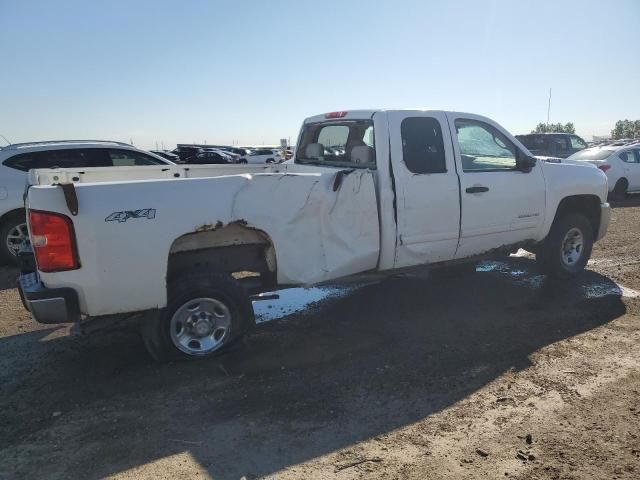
(148, 213)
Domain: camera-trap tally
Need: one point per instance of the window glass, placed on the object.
(561, 145)
(64, 158)
(422, 145)
(628, 156)
(334, 137)
(577, 143)
(533, 142)
(368, 137)
(484, 147)
(128, 158)
(338, 144)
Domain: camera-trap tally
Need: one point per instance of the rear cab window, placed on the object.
(422, 145)
(342, 143)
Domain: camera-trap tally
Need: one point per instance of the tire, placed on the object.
(243, 161)
(270, 160)
(619, 191)
(12, 226)
(567, 248)
(205, 314)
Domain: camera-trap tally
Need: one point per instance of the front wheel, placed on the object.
(205, 314)
(567, 248)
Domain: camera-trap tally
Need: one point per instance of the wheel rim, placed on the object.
(17, 238)
(200, 326)
(572, 247)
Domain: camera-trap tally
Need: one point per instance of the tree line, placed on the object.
(626, 129)
(554, 128)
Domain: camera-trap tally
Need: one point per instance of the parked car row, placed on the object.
(203, 154)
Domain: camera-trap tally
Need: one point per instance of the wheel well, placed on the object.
(13, 213)
(624, 180)
(244, 252)
(587, 205)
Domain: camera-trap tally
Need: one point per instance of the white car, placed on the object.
(17, 159)
(262, 155)
(621, 164)
(433, 187)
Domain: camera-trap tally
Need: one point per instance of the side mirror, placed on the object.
(525, 163)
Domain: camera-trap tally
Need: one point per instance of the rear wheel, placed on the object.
(205, 314)
(619, 190)
(13, 236)
(567, 248)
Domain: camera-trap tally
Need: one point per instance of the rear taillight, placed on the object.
(53, 241)
(604, 167)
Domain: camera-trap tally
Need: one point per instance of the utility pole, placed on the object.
(549, 107)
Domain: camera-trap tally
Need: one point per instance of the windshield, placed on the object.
(341, 144)
(592, 154)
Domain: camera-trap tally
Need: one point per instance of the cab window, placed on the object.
(577, 143)
(422, 145)
(483, 147)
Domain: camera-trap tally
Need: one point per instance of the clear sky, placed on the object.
(250, 71)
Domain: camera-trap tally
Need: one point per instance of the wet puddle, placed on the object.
(294, 300)
(522, 275)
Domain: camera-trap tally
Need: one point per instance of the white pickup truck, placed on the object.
(369, 191)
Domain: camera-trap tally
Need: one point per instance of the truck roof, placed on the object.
(368, 114)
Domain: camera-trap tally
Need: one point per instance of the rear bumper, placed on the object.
(605, 219)
(48, 305)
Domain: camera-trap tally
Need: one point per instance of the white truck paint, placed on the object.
(320, 221)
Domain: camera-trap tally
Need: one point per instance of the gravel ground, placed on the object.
(498, 374)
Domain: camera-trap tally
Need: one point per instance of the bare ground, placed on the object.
(498, 374)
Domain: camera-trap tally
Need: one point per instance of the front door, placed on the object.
(500, 204)
(427, 189)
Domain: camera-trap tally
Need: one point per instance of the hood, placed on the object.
(573, 177)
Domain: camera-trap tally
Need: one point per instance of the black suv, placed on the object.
(560, 145)
(187, 152)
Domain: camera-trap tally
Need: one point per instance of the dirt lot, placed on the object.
(410, 378)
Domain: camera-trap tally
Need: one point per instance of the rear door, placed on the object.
(427, 190)
(500, 204)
